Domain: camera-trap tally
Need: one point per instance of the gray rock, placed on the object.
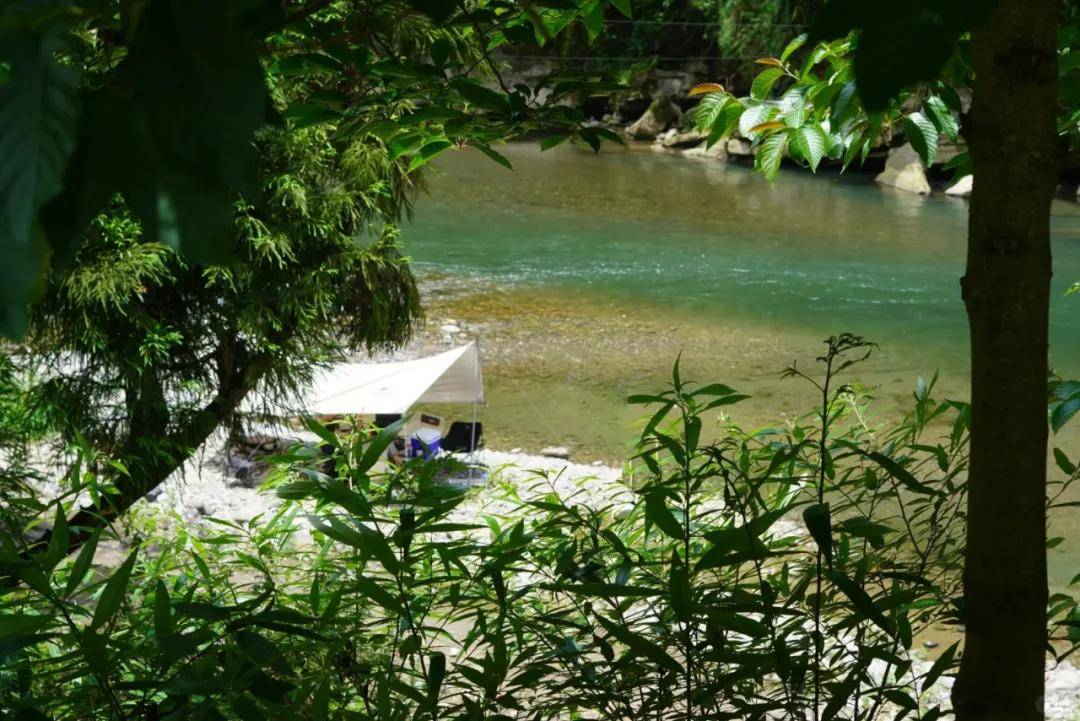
(739, 147)
(556, 452)
(961, 188)
(718, 151)
(685, 139)
(931, 644)
(661, 113)
(904, 171)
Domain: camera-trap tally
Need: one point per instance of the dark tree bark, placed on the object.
(1006, 289)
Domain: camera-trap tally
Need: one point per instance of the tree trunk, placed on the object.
(152, 457)
(1006, 289)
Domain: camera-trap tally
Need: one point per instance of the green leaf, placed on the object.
(82, 563)
(943, 663)
(428, 152)
(493, 154)
(39, 112)
(1064, 411)
(809, 142)
(862, 601)
(764, 82)
(679, 592)
(163, 625)
(112, 597)
(735, 622)
(818, 521)
(862, 527)
(897, 471)
(941, 116)
(658, 513)
(1067, 467)
(752, 117)
(769, 155)
(623, 6)
(58, 542)
(923, 137)
(639, 646)
(436, 672)
(482, 97)
(708, 110)
(797, 42)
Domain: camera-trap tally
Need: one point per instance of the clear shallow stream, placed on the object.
(584, 276)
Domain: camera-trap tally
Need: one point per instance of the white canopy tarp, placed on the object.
(369, 388)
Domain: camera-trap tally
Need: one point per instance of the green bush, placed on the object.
(779, 572)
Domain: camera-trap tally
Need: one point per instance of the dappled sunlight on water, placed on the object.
(584, 277)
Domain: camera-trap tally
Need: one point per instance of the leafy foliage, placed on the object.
(369, 594)
(174, 93)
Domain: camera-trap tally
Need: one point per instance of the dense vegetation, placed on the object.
(200, 208)
(367, 594)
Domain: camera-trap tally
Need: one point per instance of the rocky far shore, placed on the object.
(664, 125)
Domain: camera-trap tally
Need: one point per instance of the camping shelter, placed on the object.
(370, 388)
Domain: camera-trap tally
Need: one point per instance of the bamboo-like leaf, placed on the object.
(112, 597)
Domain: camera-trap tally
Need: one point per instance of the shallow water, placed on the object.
(585, 276)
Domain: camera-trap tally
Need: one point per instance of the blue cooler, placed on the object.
(425, 442)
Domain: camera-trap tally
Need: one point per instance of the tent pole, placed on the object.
(476, 390)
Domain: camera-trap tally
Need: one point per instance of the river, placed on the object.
(585, 276)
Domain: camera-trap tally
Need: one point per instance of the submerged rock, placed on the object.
(718, 151)
(739, 147)
(556, 452)
(684, 139)
(904, 171)
(961, 188)
(661, 113)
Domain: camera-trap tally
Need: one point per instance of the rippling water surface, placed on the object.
(585, 275)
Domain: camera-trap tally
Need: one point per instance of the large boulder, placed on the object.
(684, 139)
(740, 148)
(904, 171)
(961, 188)
(661, 113)
(718, 151)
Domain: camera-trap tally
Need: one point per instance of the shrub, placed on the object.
(779, 572)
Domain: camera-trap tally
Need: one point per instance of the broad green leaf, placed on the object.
(428, 152)
(725, 122)
(809, 141)
(941, 116)
(797, 42)
(923, 137)
(769, 155)
(112, 596)
(708, 110)
(482, 97)
(763, 83)
(752, 117)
